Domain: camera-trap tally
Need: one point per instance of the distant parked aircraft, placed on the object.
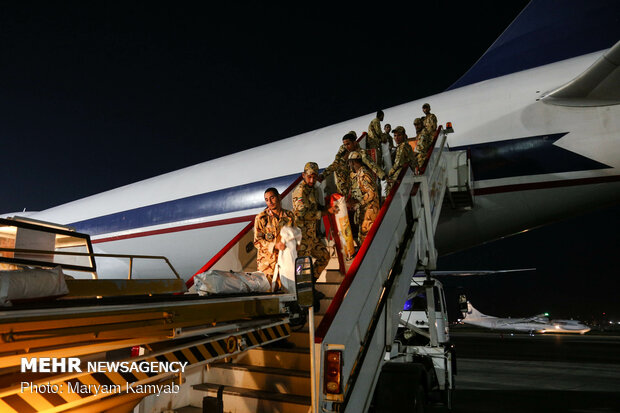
(537, 324)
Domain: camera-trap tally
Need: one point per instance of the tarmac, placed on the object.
(541, 373)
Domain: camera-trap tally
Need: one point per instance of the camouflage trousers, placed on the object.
(422, 148)
(311, 246)
(267, 265)
(368, 216)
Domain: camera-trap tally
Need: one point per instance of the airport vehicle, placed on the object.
(536, 324)
(422, 358)
(537, 121)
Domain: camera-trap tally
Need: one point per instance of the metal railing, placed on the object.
(81, 254)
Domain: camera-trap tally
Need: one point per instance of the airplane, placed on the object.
(538, 113)
(537, 324)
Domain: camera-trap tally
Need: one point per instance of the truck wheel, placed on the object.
(420, 402)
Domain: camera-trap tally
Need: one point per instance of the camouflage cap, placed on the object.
(417, 121)
(399, 129)
(311, 168)
(354, 155)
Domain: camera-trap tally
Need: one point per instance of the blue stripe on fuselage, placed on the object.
(548, 31)
(532, 155)
(238, 198)
(501, 159)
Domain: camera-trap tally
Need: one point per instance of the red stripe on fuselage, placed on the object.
(545, 185)
(245, 218)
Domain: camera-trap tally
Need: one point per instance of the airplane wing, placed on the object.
(599, 85)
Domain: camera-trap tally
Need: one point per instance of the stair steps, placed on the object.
(257, 401)
(293, 358)
(274, 378)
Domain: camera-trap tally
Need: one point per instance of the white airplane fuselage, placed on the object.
(190, 214)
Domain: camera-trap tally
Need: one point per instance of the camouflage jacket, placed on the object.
(305, 206)
(430, 124)
(404, 155)
(267, 228)
(374, 134)
(368, 194)
(424, 141)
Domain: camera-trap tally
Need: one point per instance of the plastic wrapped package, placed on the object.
(291, 237)
(230, 282)
(29, 284)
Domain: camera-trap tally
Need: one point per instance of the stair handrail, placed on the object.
(376, 316)
(391, 228)
(423, 205)
(329, 315)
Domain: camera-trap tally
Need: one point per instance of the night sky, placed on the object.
(99, 95)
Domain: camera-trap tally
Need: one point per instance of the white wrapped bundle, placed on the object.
(229, 282)
(31, 284)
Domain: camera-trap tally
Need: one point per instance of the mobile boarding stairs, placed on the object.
(359, 315)
(234, 346)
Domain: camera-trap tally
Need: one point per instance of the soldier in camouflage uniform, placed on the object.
(307, 214)
(267, 226)
(342, 169)
(429, 120)
(386, 137)
(424, 142)
(373, 141)
(404, 155)
(368, 197)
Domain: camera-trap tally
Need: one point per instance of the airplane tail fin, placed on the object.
(472, 313)
(547, 31)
